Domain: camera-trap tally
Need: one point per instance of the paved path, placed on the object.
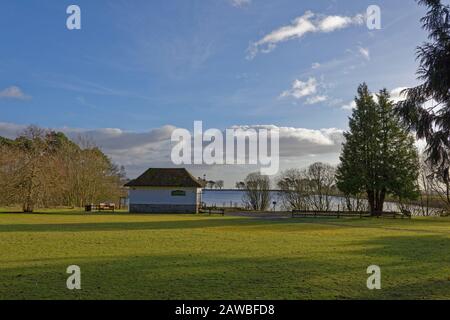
(262, 215)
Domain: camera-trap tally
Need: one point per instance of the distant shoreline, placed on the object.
(237, 190)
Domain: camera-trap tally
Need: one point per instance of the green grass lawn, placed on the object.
(190, 257)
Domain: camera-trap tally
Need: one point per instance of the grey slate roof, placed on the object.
(173, 177)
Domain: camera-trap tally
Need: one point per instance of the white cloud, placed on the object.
(365, 52)
(396, 94)
(10, 130)
(332, 23)
(301, 142)
(316, 99)
(301, 89)
(349, 106)
(305, 89)
(316, 65)
(240, 3)
(300, 26)
(13, 92)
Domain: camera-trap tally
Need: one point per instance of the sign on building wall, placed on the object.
(178, 193)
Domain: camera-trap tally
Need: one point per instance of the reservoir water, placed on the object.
(234, 198)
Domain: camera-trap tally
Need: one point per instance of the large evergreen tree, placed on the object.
(379, 157)
(427, 107)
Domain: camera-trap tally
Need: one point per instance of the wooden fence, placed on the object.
(343, 214)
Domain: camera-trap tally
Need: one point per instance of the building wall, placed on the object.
(161, 200)
(163, 208)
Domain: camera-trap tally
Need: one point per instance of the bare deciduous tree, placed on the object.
(210, 184)
(322, 183)
(36, 158)
(219, 184)
(309, 189)
(294, 189)
(257, 192)
(440, 185)
(354, 203)
(240, 185)
(425, 185)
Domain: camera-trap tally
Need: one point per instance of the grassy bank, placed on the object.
(190, 257)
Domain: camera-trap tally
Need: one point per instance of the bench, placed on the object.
(404, 214)
(106, 207)
(211, 211)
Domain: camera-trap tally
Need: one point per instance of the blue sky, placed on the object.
(136, 66)
(150, 63)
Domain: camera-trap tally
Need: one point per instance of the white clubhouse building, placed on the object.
(165, 191)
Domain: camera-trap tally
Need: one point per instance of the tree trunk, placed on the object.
(447, 186)
(28, 206)
(371, 199)
(376, 201)
(382, 199)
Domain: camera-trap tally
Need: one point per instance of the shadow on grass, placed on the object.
(398, 225)
(196, 222)
(419, 248)
(418, 267)
(124, 226)
(186, 277)
(413, 267)
(216, 277)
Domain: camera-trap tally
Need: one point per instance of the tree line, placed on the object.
(44, 168)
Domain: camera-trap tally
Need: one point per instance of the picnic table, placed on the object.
(100, 207)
